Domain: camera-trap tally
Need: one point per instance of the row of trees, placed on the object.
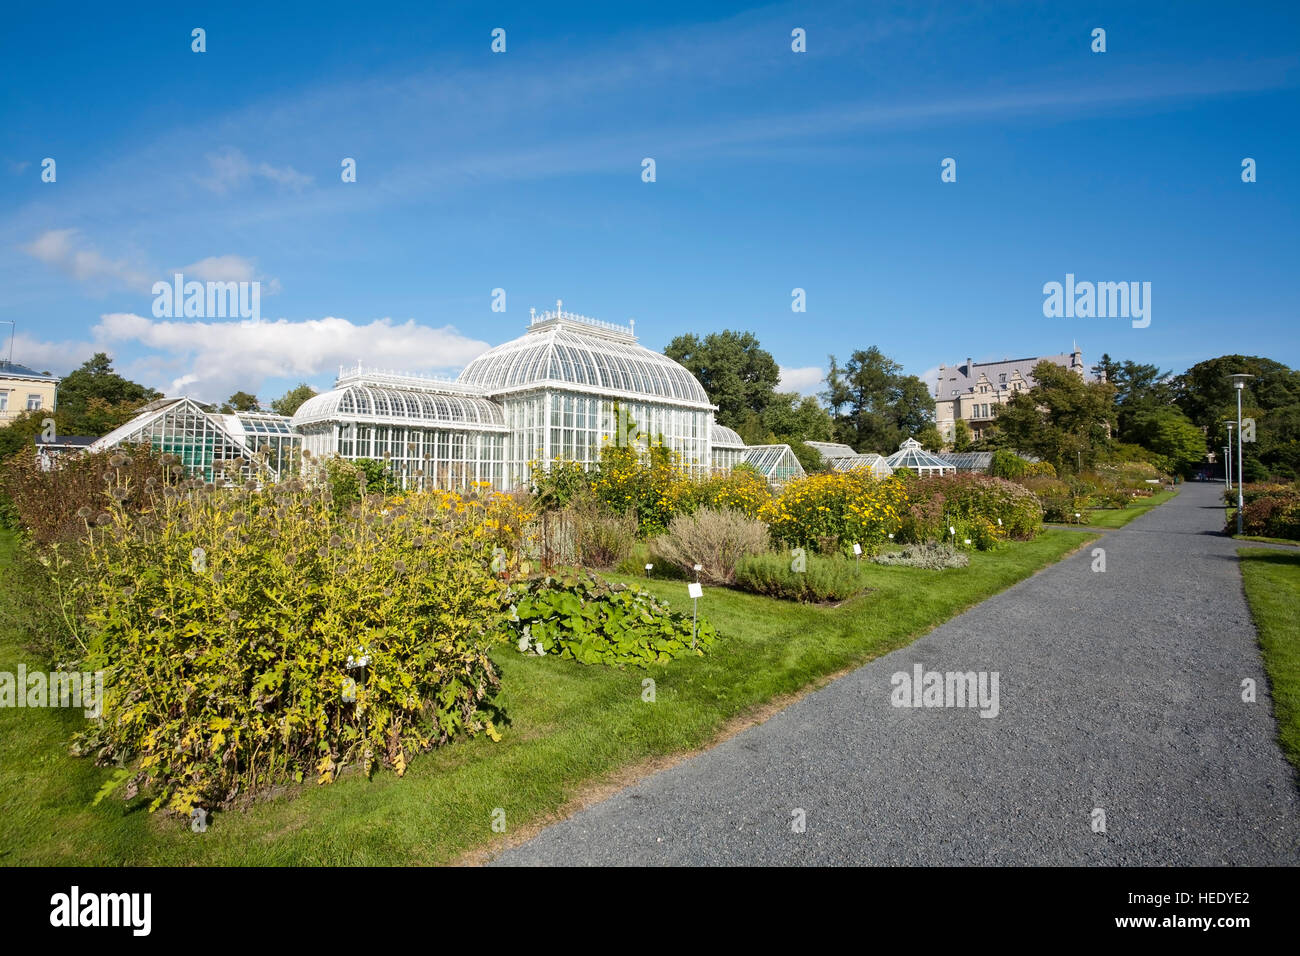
(1137, 411)
(868, 401)
(1131, 411)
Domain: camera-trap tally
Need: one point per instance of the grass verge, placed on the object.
(1272, 581)
(1118, 517)
(572, 730)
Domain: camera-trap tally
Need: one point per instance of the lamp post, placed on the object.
(1239, 383)
(1231, 425)
(1226, 468)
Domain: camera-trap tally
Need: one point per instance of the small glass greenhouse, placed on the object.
(973, 461)
(840, 457)
(875, 464)
(912, 456)
(200, 437)
(777, 463)
(831, 449)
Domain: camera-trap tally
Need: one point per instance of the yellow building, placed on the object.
(23, 389)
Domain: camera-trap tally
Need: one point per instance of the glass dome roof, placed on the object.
(565, 349)
(911, 455)
(415, 408)
(725, 437)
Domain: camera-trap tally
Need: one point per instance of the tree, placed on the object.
(1169, 433)
(738, 375)
(22, 430)
(93, 399)
(1205, 392)
(1106, 368)
(1206, 395)
(808, 456)
(882, 405)
(1062, 419)
(836, 395)
(961, 435)
(794, 417)
(240, 402)
(1139, 389)
(930, 438)
(290, 401)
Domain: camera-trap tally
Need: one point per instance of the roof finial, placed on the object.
(631, 324)
(559, 308)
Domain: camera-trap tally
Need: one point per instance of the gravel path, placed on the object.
(1118, 690)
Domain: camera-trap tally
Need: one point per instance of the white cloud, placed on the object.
(220, 269)
(284, 176)
(231, 169)
(64, 250)
(802, 380)
(211, 359)
(57, 357)
(228, 268)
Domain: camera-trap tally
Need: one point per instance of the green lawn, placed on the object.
(572, 728)
(1263, 540)
(1272, 582)
(1118, 517)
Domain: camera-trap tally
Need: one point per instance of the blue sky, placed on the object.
(522, 171)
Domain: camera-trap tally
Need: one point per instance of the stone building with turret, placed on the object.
(974, 391)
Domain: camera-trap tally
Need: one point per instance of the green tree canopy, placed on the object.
(1272, 399)
(875, 405)
(240, 402)
(1062, 419)
(290, 401)
(1172, 436)
(794, 417)
(736, 372)
(961, 435)
(94, 399)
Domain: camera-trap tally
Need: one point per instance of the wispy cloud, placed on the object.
(230, 170)
(65, 250)
(229, 268)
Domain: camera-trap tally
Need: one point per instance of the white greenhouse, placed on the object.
(777, 463)
(728, 448)
(912, 456)
(561, 391)
(838, 457)
(200, 437)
